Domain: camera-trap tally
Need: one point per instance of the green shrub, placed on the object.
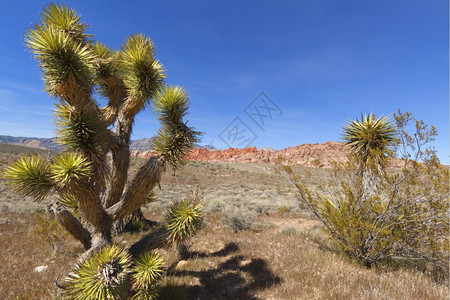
(403, 216)
(288, 230)
(315, 162)
(50, 232)
(284, 209)
(215, 205)
(239, 219)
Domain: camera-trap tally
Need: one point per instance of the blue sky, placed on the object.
(318, 63)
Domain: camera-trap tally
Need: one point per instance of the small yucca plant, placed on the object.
(147, 271)
(105, 275)
(378, 215)
(370, 137)
(183, 219)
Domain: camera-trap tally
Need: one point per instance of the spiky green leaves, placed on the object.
(110, 273)
(65, 19)
(147, 271)
(105, 67)
(104, 275)
(172, 145)
(143, 75)
(175, 138)
(34, 176)
(370, 138)
(69, 169)
(80, 129)
(58, 42)
(70, 201)
(170, 104)
(183, 219)
(106, 70)
(31, 175)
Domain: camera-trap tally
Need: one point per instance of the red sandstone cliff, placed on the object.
(311, 155)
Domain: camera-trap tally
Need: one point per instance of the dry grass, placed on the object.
(267, 264)
(23, 251)
(285, 255)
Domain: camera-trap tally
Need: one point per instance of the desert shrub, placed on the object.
(215, 205)
(288, 230)
(262, 210)
(49, 231)
(239, 219)
(284, 209)
(376, 214)
(315, 162)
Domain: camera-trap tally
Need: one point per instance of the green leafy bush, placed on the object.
(288, 230)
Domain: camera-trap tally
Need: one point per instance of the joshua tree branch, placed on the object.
(154, 240)
(120, 160)
(70, 223)
(92, 210)
(116, 95)
(148, 176)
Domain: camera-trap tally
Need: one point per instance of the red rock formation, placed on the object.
(311, 155)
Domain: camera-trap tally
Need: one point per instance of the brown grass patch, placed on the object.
(261, 263)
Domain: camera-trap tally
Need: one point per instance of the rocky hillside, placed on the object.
(311, 155)
(39, 143)
(308, 155)
(50, 143)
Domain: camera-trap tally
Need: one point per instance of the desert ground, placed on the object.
(257, 242)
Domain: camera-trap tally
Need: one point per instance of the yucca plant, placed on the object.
(183, 219)
(147, 270)
(371, 138)
(105, 275)
(371, 141)
(31, 176)
(90, 175)
(405, 218)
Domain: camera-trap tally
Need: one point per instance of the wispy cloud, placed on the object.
(6, 97)
(21, 87)
(10, 102)
(26, 130)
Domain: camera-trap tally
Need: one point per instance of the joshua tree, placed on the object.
(90, 176)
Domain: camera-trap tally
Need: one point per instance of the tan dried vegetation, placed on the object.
(285, 254)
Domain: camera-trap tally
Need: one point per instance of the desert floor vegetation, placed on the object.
(283, 254)
(91, 222)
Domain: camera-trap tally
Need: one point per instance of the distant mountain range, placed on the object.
(51, 144)
(40, 143)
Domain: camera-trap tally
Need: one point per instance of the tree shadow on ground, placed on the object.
(238, 277)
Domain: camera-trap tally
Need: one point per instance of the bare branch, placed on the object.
(70, 223)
